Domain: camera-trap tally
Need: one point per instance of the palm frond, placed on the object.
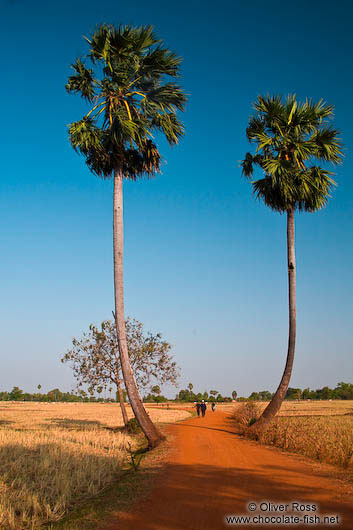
(256, 126)
(170, 125)
(327, 145)
(288, 137)
(84, 135)
(167, 97)
(160, 61)
(248, 164)
(316, 186)
(82, 82)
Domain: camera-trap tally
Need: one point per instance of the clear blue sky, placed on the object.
(205, 263)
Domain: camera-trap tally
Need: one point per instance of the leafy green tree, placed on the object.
(186, 395)
(294, 393)
(326, 393)
(130, 97)
(154, 398)
(156, 390)
(289, 137)
(234, 394)
(315, 394)
(183, 395)
(55, 395)
(306, 393)
(16, 394)
(160, 399)
(265, 395)
(344, 391)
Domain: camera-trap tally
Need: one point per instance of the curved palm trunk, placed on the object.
(153, 436)
(121, 401)
(276, 402)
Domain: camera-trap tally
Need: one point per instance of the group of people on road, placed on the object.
(202, 407)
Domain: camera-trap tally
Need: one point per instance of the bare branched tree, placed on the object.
(95, 358)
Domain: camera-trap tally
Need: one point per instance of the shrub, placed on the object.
(246, 414)
(133, 426)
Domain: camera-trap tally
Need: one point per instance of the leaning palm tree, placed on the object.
(130, 96)
(289, 137)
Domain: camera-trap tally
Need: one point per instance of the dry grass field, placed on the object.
(327, 439)
(55, 455)
(314, 408)
(322, 430)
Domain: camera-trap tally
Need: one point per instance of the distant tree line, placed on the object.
(188, 395)
(17, 394)
(341, 391)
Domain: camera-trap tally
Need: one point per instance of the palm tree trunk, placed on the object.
(152, 434)
(121, 401)
(276, 402)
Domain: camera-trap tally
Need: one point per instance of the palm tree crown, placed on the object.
(289, 136)
(128, 101)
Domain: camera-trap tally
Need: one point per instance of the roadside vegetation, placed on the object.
(324, 434)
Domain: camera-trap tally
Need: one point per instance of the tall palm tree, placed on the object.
(130, 96)
(289, 137)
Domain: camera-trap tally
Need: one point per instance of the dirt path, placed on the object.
(212, 473)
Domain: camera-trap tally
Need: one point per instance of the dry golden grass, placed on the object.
(316, 408)
(53, 456)
(307, 408)
(321, 430)
(327, 439)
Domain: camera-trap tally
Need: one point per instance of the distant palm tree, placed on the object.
(130, 98)
(289, 137)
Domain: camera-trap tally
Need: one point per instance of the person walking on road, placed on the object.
(198, 408)
(213, 406)
(203, 408)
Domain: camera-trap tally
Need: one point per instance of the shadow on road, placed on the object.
(198, 497)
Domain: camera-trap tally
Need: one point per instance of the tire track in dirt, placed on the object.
(211, 472)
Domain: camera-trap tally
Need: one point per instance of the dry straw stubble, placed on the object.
(54, 456)
(319, 430)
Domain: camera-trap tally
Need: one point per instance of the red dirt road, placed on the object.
(213, 473)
